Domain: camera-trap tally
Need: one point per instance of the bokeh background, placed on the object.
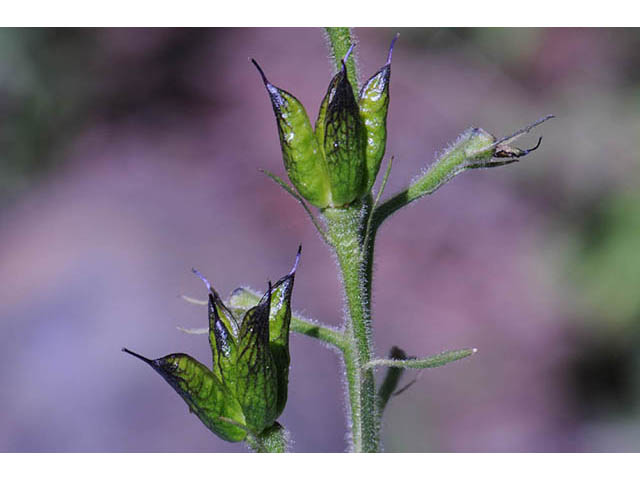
(127, 156)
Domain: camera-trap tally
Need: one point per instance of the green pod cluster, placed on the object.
(337, 162)
(246, 389)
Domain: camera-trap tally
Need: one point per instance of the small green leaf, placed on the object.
(428, 362)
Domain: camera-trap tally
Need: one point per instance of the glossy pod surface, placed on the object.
(337, 163)
(246, 389)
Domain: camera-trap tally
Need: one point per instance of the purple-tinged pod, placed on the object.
(300, 150)
(246, 391)
(344, 141)
(279, 322)
(223, 331)
(374, 105)
(256, 387)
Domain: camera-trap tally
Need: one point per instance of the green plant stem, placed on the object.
(475, 148)
(346, 231)
(319, 332)
(440, 173)
(340, 40)
(273, 440)
(248, 298)
(345, 228)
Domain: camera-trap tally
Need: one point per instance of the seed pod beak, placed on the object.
(137, 355)
(393, 42)
(264, 77)
(156, 364)
(297, 260)
(275, 95)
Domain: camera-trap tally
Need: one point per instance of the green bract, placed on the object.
(337, 163)
(246, 390)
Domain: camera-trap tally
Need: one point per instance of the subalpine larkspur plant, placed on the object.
(333, 166)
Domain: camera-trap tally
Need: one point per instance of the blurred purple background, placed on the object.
(129, 156)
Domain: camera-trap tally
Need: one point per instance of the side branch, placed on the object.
(475, 148)
(319, 332)
(243, 298)
(428, 362)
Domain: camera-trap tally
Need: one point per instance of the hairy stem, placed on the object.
(345, 232)
(272, 440)
(475, 148)
(319, 332)
(443, 170)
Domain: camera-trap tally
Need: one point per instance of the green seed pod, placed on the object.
(279, 322)
(337, 163)
(322, 114)
(475, 142)
(300, 150)
(221, 339)
(257, 382)
(344, 141)
(247, 389)
(223, 329)
(374, 104)
(210, 400)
